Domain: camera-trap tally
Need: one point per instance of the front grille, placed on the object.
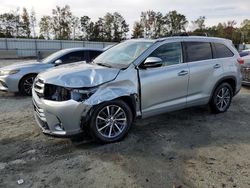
(245, 73)
(39, 111)
(40, 116)
(39, 87)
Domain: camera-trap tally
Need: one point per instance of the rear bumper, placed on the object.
(60, 119)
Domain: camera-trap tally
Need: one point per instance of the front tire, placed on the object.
(111, 121)
(222, 98)
(25, 85)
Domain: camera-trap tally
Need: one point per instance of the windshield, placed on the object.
(123, 54)
(53, 56)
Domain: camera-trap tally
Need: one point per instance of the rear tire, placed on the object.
(222, 98)
(111, 121)
(25, 85)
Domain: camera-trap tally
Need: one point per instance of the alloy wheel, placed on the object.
(111, 121)
(223, 98)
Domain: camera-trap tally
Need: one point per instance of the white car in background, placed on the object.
(245, 55)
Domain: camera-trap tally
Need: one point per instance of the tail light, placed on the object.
(240, 61)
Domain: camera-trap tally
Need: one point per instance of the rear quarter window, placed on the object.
(197, 51)
(222, 51)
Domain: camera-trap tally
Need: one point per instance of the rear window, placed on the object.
(221, 51)
(197, 51)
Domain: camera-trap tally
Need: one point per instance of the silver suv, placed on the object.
(136, 79)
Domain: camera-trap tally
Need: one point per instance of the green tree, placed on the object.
(229, 29)
(245, 31)
(137, 30)
(61, 22)
(120, 27)
(9, 24)
(26, 23)
(86, 27)
(45, 27)
(100, 28)
(108, 26)
(175, 22)
(159, 26)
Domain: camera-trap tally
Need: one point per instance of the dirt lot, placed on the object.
(188, 148)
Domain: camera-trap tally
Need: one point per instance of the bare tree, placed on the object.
(33, 22)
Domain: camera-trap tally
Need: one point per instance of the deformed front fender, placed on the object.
(125, 85)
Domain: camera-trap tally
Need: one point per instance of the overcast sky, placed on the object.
(214, 10)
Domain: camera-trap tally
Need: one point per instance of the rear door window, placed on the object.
(73, 57)
(197, 51)
(221, 51)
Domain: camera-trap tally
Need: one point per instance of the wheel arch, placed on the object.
(24, 76)
(231, 80)
(130, 100)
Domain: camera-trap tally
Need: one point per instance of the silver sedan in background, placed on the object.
(19, 77)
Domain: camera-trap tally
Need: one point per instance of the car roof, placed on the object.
(66, 50)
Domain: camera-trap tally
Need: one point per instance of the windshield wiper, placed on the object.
(104, 64)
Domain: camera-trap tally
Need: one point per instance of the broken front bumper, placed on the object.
(65, 119)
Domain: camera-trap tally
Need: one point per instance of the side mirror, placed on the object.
(152, 62)
(58, 62)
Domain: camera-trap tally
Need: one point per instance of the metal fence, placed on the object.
(35, 47)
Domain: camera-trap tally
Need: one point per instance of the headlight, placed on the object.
(82, 94)
(8, 72)
(58, 93)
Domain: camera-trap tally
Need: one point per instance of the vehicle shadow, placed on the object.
(161, 151)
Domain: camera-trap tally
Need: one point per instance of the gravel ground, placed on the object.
(189, 148)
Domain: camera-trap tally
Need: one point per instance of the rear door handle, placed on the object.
(183, 73)
(217, 66)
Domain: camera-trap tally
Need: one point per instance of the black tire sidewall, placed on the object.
(213, 101)
(93, 128)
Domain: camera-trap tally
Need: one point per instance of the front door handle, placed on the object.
(217, 66)
(183, 73)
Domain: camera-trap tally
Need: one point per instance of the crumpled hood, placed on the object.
(79, 75)
(26, 64)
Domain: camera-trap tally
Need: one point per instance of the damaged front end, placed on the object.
(61, 110)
